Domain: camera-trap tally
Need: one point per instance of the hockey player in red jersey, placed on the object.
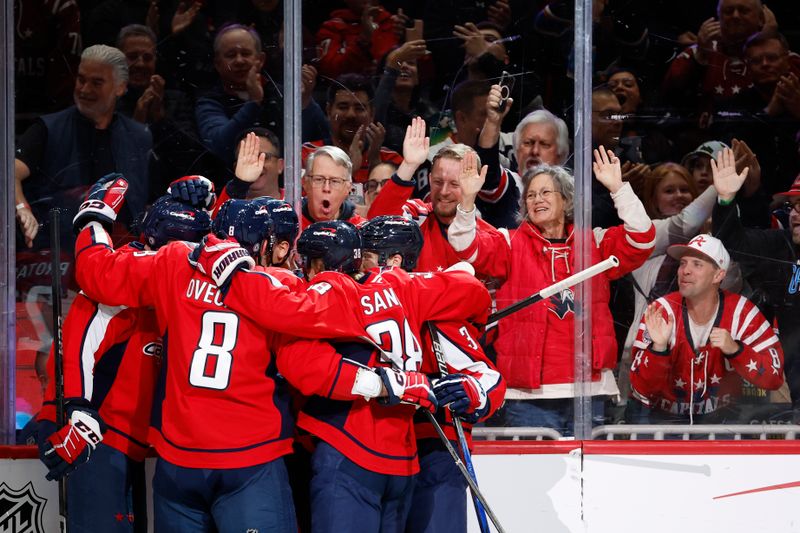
(695, 346)
(473, 388)
(111, 360)
(217, 425)
(366, 457)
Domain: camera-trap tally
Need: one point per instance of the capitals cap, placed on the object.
(704, 246)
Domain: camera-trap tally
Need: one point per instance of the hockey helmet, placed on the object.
(170, 220)
(247, 221)
(336, 242)
(388, 235)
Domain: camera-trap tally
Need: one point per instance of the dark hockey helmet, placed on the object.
(247, 221)
(170, 220)
(287, 225)
(387, 235)
(336, 242)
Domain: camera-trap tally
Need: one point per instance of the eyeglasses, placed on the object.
(374, 185)
(269, 157)
(545, 194)
(318, 182)
(792, 206)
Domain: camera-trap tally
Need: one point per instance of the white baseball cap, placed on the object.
(705, 246)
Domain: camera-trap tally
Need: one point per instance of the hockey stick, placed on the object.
(557, 287)
(58, 348)
(453, 453)
(471, 482)
(462, 439)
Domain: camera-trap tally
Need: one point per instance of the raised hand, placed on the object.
(375, 133)
(410, 51)
(356, 151)
(658, 328)
(607, 169)
(103, 203)
(255, 89)
(194, 190)
(470, 180)
(473, 42)
(184, 16)
(308, 76)
(708, 33)
(727, 181)
(250, 161)
(399, 21)
(493, 113)
(499, 14)
(416, 144)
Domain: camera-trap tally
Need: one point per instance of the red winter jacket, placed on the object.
(535, 346)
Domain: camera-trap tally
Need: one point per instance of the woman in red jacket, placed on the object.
(535, 346)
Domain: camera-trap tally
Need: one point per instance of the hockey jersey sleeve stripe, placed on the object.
(639, 245)
(748, 319)
(493, 195)
(92, 339)
(737, 317)
(756, 334)
(766, 344)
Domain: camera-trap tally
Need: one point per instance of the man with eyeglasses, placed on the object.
(773, 256)
(771, 106)
(326, 183)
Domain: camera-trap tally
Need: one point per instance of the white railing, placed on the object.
(649, 432)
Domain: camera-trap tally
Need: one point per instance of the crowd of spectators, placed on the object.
(695, 127)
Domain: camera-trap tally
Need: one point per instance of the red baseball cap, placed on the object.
(793, 191)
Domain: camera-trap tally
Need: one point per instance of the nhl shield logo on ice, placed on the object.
(21, 511)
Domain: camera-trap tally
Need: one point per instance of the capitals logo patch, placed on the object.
(21, 511)
(562, 304)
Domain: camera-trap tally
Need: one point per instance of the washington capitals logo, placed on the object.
(21, 511)
(562, 303)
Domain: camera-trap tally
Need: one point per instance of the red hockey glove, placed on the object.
(197, 191)
(413, 388)
(464, 394)
(72, 445)
(103, 203)
(220, 259)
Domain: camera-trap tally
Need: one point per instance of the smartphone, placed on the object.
(506, 86)
(415, 32)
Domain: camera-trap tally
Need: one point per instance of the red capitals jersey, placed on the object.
(215, 404)
(385, 309)
(361, 174)
(462, 355)
(112, 357)
(686, 379)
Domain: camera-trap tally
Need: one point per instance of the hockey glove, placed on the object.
(73, 444)
(413, 388)
(464, 394)
(197, 191)
(103, 203)
(220, 259)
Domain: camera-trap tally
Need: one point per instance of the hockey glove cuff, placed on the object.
(220, 259)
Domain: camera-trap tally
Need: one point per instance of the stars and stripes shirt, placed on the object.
(696, 376)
